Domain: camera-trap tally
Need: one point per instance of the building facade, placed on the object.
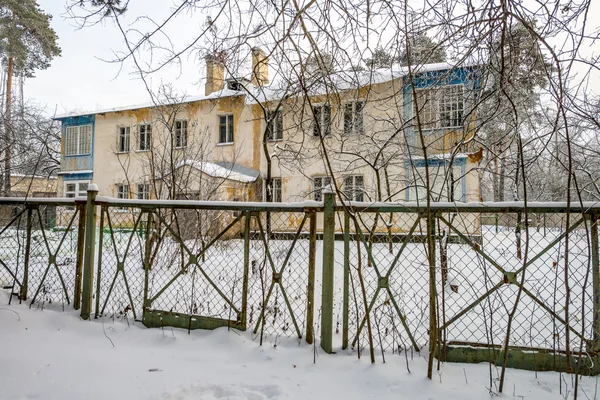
(377, 131)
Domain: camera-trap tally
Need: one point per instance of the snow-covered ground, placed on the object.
(56, 355)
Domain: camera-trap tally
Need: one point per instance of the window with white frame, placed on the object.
(144, 137)
(440, 107)
(275, 127)
(441, 180)
(122, 190)
(124, 139)
(76, 188)
(181, 133)
(78, 140)
(143, 191)
(225, 128)
(319, 183)
(322, 116)
(276, 187)
(354, 187)
(353, 117)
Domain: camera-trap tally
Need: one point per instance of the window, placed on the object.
(143, 191)
(225, 128)
(275, 128)
(322, 115)
(78, 140)
(354, 187)
(440, 108)
(122, 191)
(124, 139)
(319, 183)
(181, 133)
(439, 180)
(144, 137)
(353, 117)
(76, 189)
(451, 106)
(276, 185)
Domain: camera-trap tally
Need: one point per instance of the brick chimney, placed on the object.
(215, 74)
(260, 67)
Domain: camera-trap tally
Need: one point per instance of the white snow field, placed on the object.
(55, 355)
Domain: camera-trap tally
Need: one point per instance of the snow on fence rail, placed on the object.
(264, 267)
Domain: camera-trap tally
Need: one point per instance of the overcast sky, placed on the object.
(79, 79)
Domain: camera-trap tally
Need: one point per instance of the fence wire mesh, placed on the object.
(487, 268)
(259, 269)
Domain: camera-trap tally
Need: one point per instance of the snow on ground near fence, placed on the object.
(55, 355)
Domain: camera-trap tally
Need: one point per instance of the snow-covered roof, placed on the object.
(343, 80)
(222, 169)
(185, 99)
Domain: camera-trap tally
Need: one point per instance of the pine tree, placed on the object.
(27, 43)
(422, 50)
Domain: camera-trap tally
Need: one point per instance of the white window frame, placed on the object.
(434, 102)
(275, 129)
(229, 129)
(354, 187)
(354, 117)
(277, 186)
(323, 119)
(123, 139)
(121, 193)
(78, 140)
(144, 193)
(80, 189)
(146, 143)
(181, 133)
(319, 183)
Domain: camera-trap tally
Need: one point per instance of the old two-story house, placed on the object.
(375, 130)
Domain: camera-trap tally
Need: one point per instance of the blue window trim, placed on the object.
(470, 77)
(77, 176)
(83, 161)
(436, 162)
(78, 121)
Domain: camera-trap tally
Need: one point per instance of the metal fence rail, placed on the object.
(455, 279)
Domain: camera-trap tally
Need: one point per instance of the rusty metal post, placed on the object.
(89, 247)
(312, 253)
(328, 265)
(79, 262)
(25, 283)
(595, 280)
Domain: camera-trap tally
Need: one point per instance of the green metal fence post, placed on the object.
(346, 305)
(79, 262)
(147, 258)
(327, 277)
(595, 279)
(89, 247)
(25, 283)
(312, 252)
(244, 316)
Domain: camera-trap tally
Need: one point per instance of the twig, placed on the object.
(104, 331)
(13, 311)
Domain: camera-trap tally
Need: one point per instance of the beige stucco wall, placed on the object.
(35, 186)
(297, 159)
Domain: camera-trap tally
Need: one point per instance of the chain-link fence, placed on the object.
(483, 272)
(530, 278)
(40, 252)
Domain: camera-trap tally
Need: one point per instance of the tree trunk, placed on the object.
(7, 130)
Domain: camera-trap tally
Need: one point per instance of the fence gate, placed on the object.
(193, 279)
